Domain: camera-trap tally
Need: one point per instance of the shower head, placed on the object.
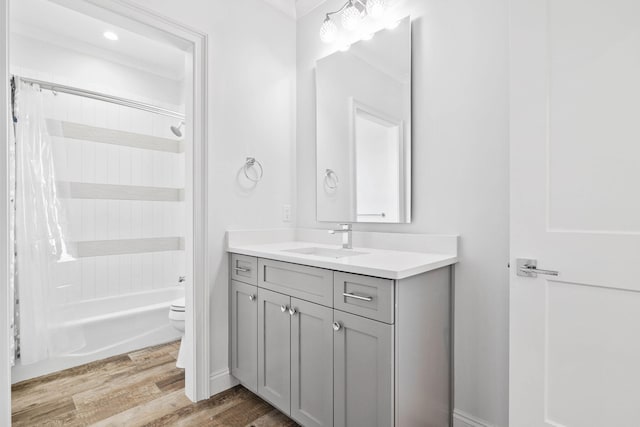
(176, 130)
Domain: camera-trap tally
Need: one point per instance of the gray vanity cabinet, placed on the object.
(311, 364)
(274, 349)
(363, 372)
(295, 357)
(244, 334)
(331, 348)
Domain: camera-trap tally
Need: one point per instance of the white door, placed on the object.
(575, 207)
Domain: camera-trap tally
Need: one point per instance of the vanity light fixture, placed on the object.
(351, 16)
(110, 35)
(376, 8)
(353, 12)
(328, 31)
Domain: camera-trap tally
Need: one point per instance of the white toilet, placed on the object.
(176, 317)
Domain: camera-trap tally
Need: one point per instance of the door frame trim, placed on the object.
(5, 364)
(197, 337)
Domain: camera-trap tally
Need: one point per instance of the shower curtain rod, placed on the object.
(54, 87)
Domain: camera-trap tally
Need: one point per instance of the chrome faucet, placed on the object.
(347, 239)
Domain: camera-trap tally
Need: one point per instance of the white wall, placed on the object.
(251, 113)
(460, 172)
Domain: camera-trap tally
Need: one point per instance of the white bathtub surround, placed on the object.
(387, 255)
(110, 326)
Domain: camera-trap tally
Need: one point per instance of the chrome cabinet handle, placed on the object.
(283, 308)
(336, 326)
(293, 311)
(242, 269)
(252, 297)
(360, 297)
(529, 268)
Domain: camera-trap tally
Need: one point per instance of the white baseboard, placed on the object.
(221, 381)
(462, 419)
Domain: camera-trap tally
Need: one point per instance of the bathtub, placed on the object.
(108, 327)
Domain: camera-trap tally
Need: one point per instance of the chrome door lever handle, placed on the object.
(532, 269)
(529, 268)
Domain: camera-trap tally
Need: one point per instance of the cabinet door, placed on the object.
(363, 372)
(244, 334)
(311, 364)
(274, 349)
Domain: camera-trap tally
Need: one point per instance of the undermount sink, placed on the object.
(325, 252)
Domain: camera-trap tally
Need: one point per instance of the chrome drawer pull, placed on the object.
(336, 326)
(252, 297)
(360, 297)
(242, 269)
(283, 308)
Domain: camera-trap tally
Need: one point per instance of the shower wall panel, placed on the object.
(109, 216)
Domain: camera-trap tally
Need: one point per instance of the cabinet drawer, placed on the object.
(244, 269)
(299, 281)
(365, 296)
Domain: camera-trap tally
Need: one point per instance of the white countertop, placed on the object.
(389, 264)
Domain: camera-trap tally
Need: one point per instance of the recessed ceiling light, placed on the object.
(110, 35)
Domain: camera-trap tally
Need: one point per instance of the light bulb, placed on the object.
(110, 35)
(328, 31)
(376, 8)
(351, 17)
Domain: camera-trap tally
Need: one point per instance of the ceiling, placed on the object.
(61, 26)
(295, 8)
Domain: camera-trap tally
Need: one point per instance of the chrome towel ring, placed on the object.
(250, 163)
(330, 176)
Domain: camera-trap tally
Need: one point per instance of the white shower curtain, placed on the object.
(40, 241)
(12, 239)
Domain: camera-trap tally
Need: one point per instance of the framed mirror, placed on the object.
(363, 140)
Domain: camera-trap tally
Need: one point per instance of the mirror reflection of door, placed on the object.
(378, 154)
